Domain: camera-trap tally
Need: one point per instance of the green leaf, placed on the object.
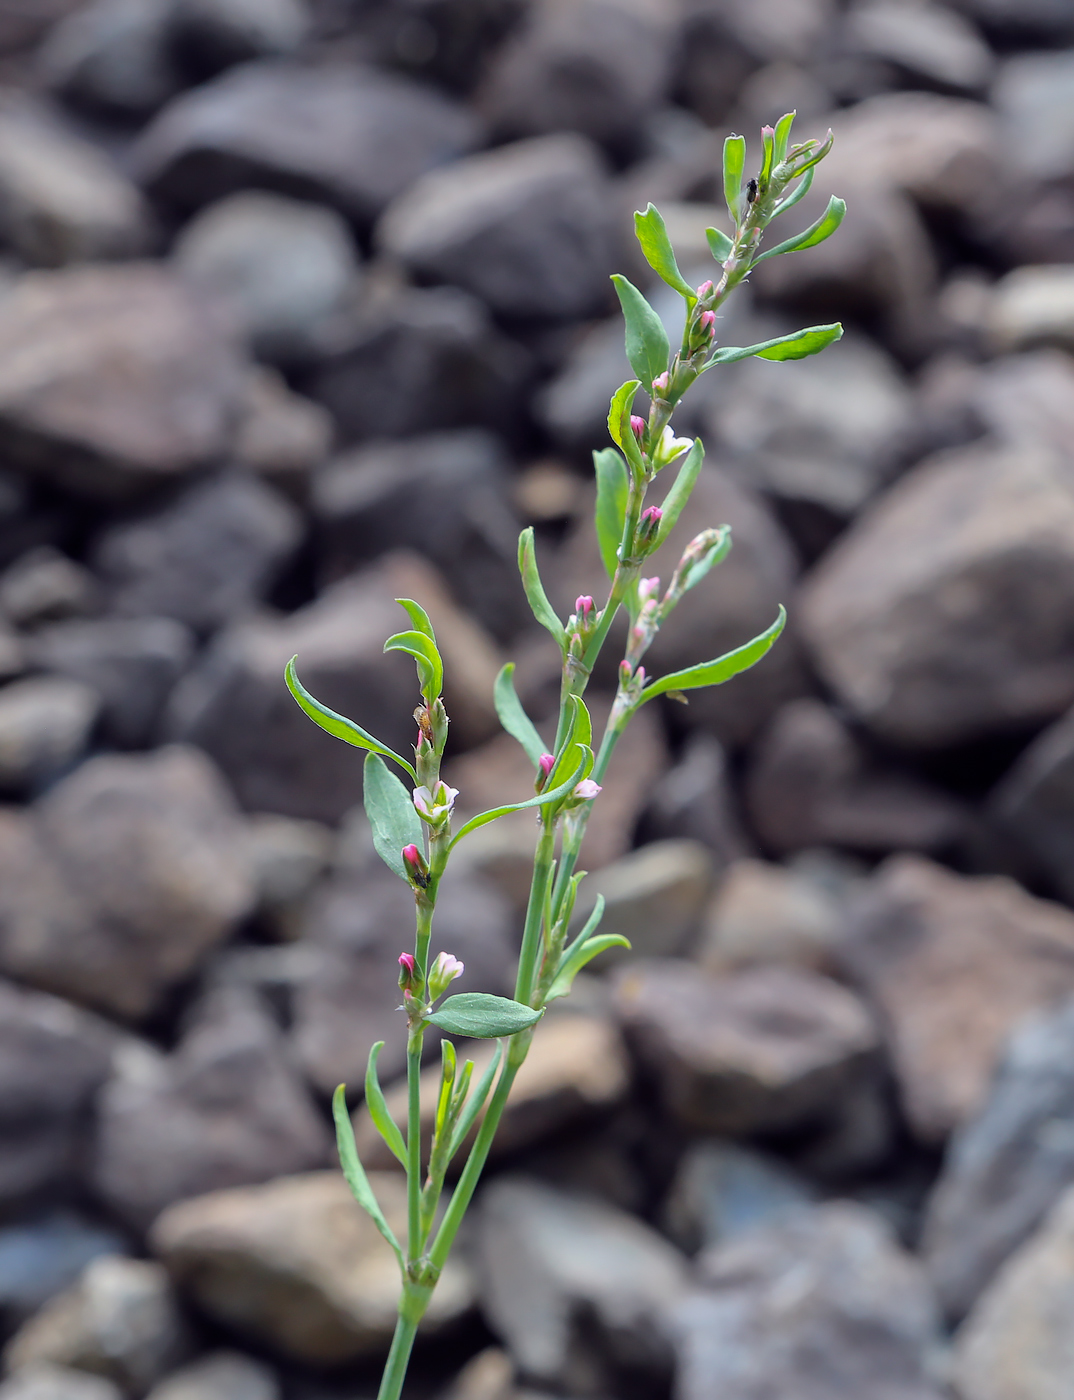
(783, 136)
(583, 956)
(531, 581)
(576, 743)
(619, 423)
(734, 162)
(475, 1103)
(447, 1079)
(424, 652)
(799, 192)
(513, 717)
(385, 1124)
(419, 617)
(338, 725)
(795, 346)
(390, 809)
(676, 498)
(551, 795)
(720, 246)
(482, 1015)
(612, 491)
(720, 670)
(767, 155)
(647, 345)
(354, 1172)
(816, 233)
(652, 234)
(695, 572)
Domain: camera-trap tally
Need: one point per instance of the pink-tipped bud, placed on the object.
(408, 972)
(703, 290)
(706, 323)
(626, 672)
(661, 384)
(442, 973)
(767, 131)
(586, 790)
(546, 763)
(648, 526)
(647, 588)
(583, 606)
(637, 426)
(417, 873)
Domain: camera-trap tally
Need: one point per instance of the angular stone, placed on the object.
(722, 1190)
(46, 1382)
(112, 379)
(953, 964)
(1033, 306)
(654, 898)
(760, 1051)
(525, 227)
(764, 913)
(121, 1320)
(573, 1286)
(943, 613)
(205, 559)
(281, 436)
(219, 1375)
(339, 133)
(821, 1306)
(298, 1266)
(45, 723)
(114, 57)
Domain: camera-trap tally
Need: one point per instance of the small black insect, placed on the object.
(751, 191)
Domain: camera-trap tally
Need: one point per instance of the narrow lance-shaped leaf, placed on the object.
(578, 738)
(647, 345)
(619, 423)
(531, 581)
(795, 346)
(354, 1172)
(424, 652)
(513, 717)
(390, 809)
(337, 725)
(720, 246)
(652, 234)
(483, 1015)
(734, 162)
(564, 979)
(799, 192)
(695, 571)
(612, 491)
(783, 135)
(383, 1121)
(419, 617)
(681, 488)
(552, 795)
(447, 1080)
(816, 233)
(475, 1103)
(720, 670)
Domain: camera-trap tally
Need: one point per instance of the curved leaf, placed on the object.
(647, 345)
(424, 652)
(552, 795)
(482, 1015)
(720, 246)
(734, 162)
(683, 485)
(720, 670)
(513, 717)
(354, 1172)
(619, 423)
(419, 617)
(799, 192)
(612, 491)
(816, 233)
(383, 1121)
(475, 1103)
(338, 725)
(783, 135)
(531, 581)
(564, 979)
(795, 346)
(652, 234)
(390, 809)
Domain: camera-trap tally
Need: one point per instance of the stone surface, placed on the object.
(226, 1108)
(764, 913)
(721, 1191)
(46, 1382)
(928, 42)
(41, 1256)
(44, 585)
(1007, 1166)
(759, 1051)
(113, 57)
(573, 1286)
(213, 34)
(298, 1265)
(1028, 398)
(45, 723)
(695, 798)
(283, 266)
(822, 1306)
(953, 964)
(1016, 1343)
(219, 1375)
(942, 614)
(1034, 802)
(1033, 306)
(525, 227)
(340, 133)
(206, 558)
(121, 1320)
(114, 379)
(1031, 96)
(289, 857)
(280, 435)
(134, 867)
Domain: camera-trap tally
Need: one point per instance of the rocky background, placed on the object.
(304, 305)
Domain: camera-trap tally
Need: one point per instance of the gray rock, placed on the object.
(1028, 398)
(213, 34)
(226, 1108)
(45, 724)
(46, 1382)
(953, 964)
(341, 133)
(1006, 1167)
(722, 1191)
(1034, 802)
(43, 585)
(764, 913)
(41, 1257)
(924, 616)
(695, 798)
(929, 42)
(113, 379)
(121, 1320)
(1035, 20)
(132, 869)
(283, 266)
(219, 1375)
(1033, 306)
(822, 1306)
(114, 56)
(299, 1266)
(526, 227)
(206, 558)
(281, 436)
(131, 663)
(765, 1050)
(1031, 95)
(573, 1286)
(289, 857)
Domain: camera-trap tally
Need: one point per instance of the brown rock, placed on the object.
(764, 913)
(281, 435)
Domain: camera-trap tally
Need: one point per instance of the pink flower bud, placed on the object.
(647, 587)
(661, 383)
(586, 790)
(583, 606)
(546, 763)
(703, 290)
(706, 323)
(417, 873)
(767, 131)
(408, 972)
(626, 671)
(442, 973)
(637, 426)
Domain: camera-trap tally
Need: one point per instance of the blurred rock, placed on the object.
(573, 1286)
(1016, 1342)
(131, 663)
(822, 1306)
(43, 585)
(210, 35)
(289, 857)
(1034, 802)
(298, 1266)
(133, 868)
(1028, 398)
(340, 133)
(120, 1320)
(594, 66)
(722, 1191)
(695, 798)
(925, 616)
(1033, 306)
(573, 405)
(226, 1108)
(281, 436)
(219, 1375)
(1034, 20)
(43, 1381)
(953, 964)
(53, 1060)
(113, 57)
(40, 1257)
(764, 913)
(654, 898)
(206, 558)
(45, 723)
(810, 783)
(759, 1051)
(929, 44)
(283, 267)
(1007, 1166)
(114, 379)
(1030, 95)
(526, 227)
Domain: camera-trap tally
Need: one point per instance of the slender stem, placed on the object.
(531, 936)
(413, 1146)
(391, 1382)
(574, 834)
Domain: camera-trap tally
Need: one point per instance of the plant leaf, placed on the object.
(734, 162)
(720, 670)
(385, 1124)
(720, 246)
(338, 725)
(652, 234)
(676, 498)
(564, 979)
(424, 652)
(647, 345)
(482, 1015)
(695, 572)
(475, 1103)
(799, 192)
(783, 136)
(795, 346)
(552, 795)
(816, 233)
(619, 423)
(531, 581)
(354, 1172)
(612, 489)
(419, 617)
(513, 717)
(390, 809)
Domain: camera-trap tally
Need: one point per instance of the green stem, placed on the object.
(415, 1238)
(572, 844)
(531, 935)
(391, 1382)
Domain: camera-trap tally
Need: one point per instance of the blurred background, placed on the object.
(304, 306)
